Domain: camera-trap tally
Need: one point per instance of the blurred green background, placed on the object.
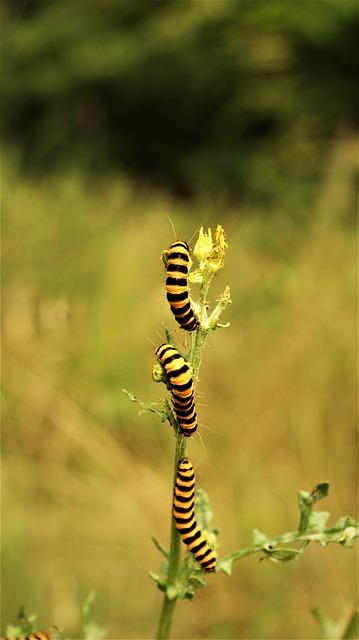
(115, 114)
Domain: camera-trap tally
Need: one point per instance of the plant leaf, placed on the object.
(160, 547)
(318, 520)
(351, 630)
(259, 538)
(226, 566)
(282, 555)
(91, 630)
(202, 509)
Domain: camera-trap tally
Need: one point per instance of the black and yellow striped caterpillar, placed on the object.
(177, 262)
(181, 384)
(40, 635)
(183, 513)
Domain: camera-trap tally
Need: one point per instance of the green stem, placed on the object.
(168, 605)
(325, 537)
(164, 624)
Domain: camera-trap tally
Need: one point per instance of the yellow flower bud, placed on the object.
(209, 254)
(216, 258)
(203, 246)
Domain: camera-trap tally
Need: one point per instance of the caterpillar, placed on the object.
(183, 513)
(40, 635)
(181, 384)
(177, 263)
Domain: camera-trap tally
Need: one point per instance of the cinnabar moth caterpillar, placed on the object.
(40, 635)
(177, 263)
(181, 384)
(183, 513)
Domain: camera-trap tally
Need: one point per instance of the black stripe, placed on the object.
(202, 556)
(182, 387)
(169, 359)
(187, 318)
(180, 243)
(189, 324)
(185, 498)
(182, 403)
(184, 509)
(181, 474)
(177, 255)
(177, 372)
(206, 563)
(184, 530)
(184, 413)
(188, 432)
(199, 546)
(181, 310)
(180, 520)
(193, 538)
(185, 487)
(181, 268)
(192, 326)
(178, 282)
(182, 407)
(163, 348)
(188, 421)
(185, 478)
(177, 297)
(186, 490)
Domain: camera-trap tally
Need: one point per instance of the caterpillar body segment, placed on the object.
(181, 386)
(185, 520)
(177, 260)
(40, 635)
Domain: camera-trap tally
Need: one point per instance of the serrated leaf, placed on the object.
(346, 521)
(185, 591)
(226, 565)
(172, 592)
(153, 576)
(202, 509)
(305, 509)
(259, 538)
(198, 580)
(349, 534)
(318, 520)
(321, 491)
(282, 555)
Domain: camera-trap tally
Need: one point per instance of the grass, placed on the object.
(87, 481)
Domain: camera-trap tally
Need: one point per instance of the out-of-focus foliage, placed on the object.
(245, 104)
(87, 479)
(241, 98)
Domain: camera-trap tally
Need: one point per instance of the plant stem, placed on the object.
(168, 604)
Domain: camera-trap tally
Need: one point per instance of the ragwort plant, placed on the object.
(179, 579)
